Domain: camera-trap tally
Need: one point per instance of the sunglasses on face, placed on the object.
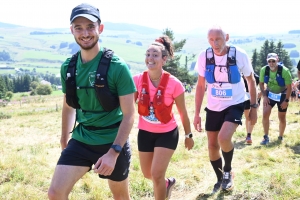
(271, 61)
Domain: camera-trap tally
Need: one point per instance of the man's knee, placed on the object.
(119, 189)
(214, 147)
(54, 194)
(282, 119)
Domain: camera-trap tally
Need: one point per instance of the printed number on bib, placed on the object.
(275, 97)
(222, 93)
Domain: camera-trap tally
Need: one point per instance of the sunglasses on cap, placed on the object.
(271, 61)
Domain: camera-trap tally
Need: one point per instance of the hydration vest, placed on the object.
(279, 78)
(232, 69)
(162, 112)
(107, 100)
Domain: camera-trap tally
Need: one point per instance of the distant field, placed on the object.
(43, 53)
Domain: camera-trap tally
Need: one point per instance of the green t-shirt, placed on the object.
(272, 85)
(120, 83)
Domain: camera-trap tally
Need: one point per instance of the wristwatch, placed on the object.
(254, 105)
(286, 100)
(116, 147)
(190, 135)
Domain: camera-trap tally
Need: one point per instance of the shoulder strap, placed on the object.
(279, 70)
(163, 83)
(71, 95)
(101, 79)
(267, 71)
(210, 58)
(72, 66)
(231, 56)
(145, 83)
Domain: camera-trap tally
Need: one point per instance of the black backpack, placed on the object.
(107, 100)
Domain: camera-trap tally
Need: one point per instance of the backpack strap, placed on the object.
(210, 58)
(107, 100)
(163, 83)
(101, 73)
(71, 96)
(267, 71)
(279, 70)
(145, 87)
(231, 56)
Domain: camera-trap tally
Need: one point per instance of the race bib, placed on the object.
(151, 118)
(223, 92)
(274, 97)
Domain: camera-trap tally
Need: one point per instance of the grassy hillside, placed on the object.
(43, 52)
(30, 148)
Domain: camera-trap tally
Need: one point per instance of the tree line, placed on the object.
(22, 83)
(259, 57)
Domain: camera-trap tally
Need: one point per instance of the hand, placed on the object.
(253, 116)
(266, 101)
(63, 144)
(284, 105)
(105, 164)
(189, 143)
(197, 123)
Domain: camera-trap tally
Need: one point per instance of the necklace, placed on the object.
(155, 79)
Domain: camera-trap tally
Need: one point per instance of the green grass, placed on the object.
(30, 148)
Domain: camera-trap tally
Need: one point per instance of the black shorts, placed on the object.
(147, 141)
(79, 154)
(215, 120)
(272, 103)
(247, 105)
(293, 94)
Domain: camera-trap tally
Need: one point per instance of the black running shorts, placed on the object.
(215, 120)
(272, 103)
(247, 105)
(80, 154)
(147, 141)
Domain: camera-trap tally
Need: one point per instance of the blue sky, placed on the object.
(244, 17)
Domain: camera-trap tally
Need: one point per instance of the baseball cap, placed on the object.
(272, 56)
(85, 10)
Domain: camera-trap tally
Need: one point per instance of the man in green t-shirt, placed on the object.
(101, 136)
(278, 91)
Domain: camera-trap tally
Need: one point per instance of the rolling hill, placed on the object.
(46, 49)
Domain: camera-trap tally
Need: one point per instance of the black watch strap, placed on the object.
(254, 105)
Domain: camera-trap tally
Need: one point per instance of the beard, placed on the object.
(84, 47)
(272, 68)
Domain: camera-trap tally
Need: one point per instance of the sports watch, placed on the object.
(190, 135)
(254, 105)
(116, 147)
(286, 100)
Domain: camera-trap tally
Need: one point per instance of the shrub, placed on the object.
(33, 93)
(4, 116)
(34, 85)
(9, 95)
(43, 89)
